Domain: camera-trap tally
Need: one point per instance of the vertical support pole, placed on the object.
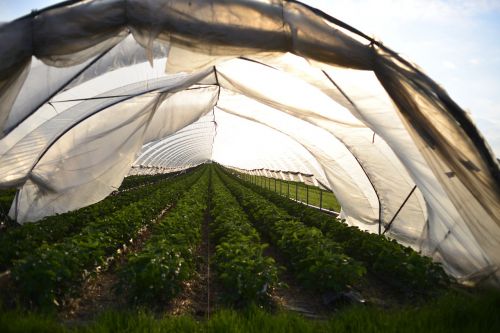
(287, 189)
(396, 214)
(320, 199)
(296, 192)
(307, 194)
(280, 186)
(274, 184)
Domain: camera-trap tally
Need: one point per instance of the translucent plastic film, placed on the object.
(259, 85)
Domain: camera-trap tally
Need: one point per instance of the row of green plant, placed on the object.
(454, 312)
(140, 180)
(21, 240)
(319, 263)
(242, 269)
(55, 271)
(311, 194)
(156, 273)
(395, 264)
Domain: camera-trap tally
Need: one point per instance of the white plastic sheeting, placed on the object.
(252, 84)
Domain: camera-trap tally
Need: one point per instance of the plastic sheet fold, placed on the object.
(100, 89)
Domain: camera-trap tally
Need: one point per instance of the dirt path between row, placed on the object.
(98, 292)
(292, 296)
(200, 294)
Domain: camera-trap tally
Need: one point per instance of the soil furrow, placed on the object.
(99, 290)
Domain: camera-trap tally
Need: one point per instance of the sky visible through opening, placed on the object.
(456, 42)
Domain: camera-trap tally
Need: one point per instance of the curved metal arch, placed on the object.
(184, 157)
(176, 137)
(182, 132)
(157, 145)
(186, 150)
(169, 154)
(174, 143)
(174, 151)
(170, 148)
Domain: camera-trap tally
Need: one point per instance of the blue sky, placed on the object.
(456, 42)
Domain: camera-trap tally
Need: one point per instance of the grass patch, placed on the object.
(454, 312)
(298, 191)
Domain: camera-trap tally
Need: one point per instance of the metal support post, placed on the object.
(396, 214)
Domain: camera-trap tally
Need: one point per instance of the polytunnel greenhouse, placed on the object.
(194, 134)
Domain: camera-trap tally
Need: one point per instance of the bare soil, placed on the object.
(98, 292)
(291, 295)
(200, 295)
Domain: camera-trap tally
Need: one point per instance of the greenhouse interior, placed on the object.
(239, 166)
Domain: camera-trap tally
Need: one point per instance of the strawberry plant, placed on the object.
(397, 265)
(140, 180)
(45, 277)
(20, 241)
(156, 273)
(319, 262)
(246, 274)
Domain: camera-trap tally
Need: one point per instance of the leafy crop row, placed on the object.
(241, 267)
(140, 180)
(20, 241)
(397, 265)
(319, 262)
(156, 273)
(54, 271)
